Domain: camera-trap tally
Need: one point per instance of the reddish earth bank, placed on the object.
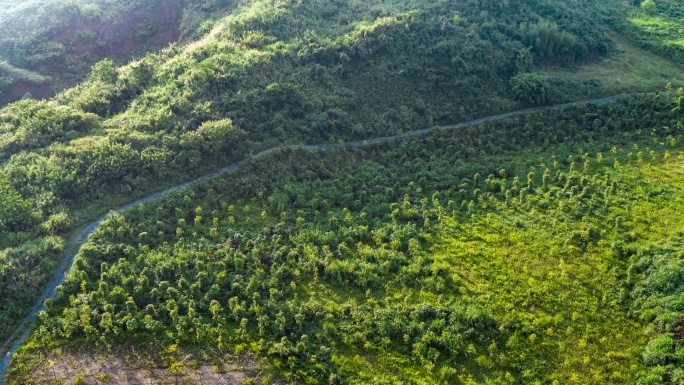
(122, 39)
(17, 90)
(92, 40)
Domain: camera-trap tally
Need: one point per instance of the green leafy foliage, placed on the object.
(530, 88)
(655, 280)
(547, 40)
(267, 74)
(381, 263)
(16, 214)
(396, 261)
(649, 6)
(653, 25)
(23, 270)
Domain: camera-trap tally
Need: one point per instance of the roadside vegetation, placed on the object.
(467, 255)
(424, 258)
(268, 74)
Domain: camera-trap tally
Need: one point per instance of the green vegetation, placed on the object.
(268, 74)
(401, 261)
(628, 67)
(649, 6)
(655, 25)
(530, 87)
(528, 250)
(656, 290)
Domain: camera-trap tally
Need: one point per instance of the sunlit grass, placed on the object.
(657, 25)
(628, 68)
(521, 266)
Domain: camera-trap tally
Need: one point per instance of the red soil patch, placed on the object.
(115, 40)
(169, 36)
(19, 89)
(119, 39)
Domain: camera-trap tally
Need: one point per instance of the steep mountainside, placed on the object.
(46, 46)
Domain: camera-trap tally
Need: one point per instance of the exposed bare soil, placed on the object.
(92, 40)
(127, 367)
(17, 90)
(121, 39)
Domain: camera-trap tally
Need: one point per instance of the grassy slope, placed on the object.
(627, 68)
(663, 24)
(657, 30)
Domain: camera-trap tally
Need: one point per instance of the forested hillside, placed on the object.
(302, 259)
(271, 73)
(49, 45)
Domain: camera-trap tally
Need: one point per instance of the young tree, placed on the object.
(649, 6)
(15, 212)
(105, 71)
(530, 88)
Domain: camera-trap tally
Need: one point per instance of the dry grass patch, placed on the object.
(125, 365)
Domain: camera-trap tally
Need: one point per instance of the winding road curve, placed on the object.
(81, 237)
